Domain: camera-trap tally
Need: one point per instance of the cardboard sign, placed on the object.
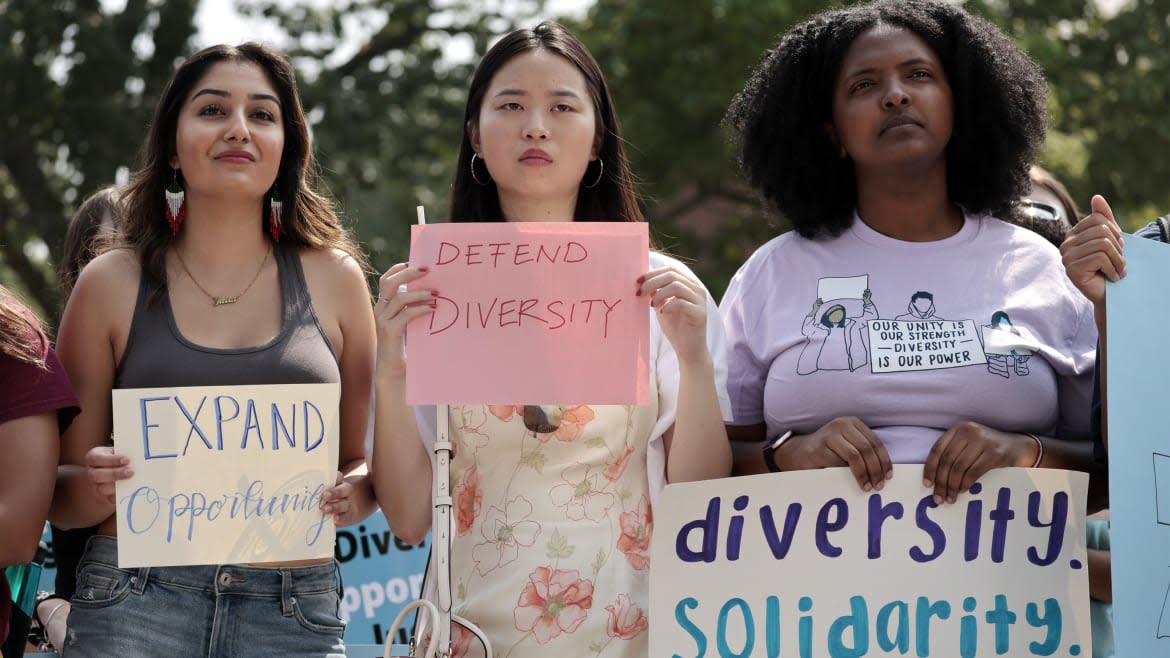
(1139, 450)
(225, 474)
(530, 313)
(807, 564)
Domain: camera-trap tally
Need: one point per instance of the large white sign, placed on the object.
(806, 564)
(225, 474)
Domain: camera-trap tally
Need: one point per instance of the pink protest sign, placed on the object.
(530, 313)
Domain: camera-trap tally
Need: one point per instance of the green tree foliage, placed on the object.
(1109, 77)
(387, 120)
(675, 65)
(385, 103)
(80, 83)
(78, 86)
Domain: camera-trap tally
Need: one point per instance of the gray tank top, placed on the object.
(157, 355)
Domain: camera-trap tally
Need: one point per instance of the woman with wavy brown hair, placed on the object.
(233, 271)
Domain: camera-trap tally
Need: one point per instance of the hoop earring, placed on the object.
(600, 173)
(176, 203)
(476, 178)
(275, 216)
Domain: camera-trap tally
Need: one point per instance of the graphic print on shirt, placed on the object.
(921, 340)
(921, 307)
(834, 330)
(843, 331)
(1008, 347)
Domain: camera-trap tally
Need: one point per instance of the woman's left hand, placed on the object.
(347, 499)
(966, 452)
(681, 303)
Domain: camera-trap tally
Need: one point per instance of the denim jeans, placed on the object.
(216, 611)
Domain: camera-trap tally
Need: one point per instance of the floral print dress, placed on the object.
(551, 545)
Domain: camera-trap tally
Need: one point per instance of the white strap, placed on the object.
(441, 527)
(439, 616)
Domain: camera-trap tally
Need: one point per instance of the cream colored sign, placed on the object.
(225, 474)
(807, 564)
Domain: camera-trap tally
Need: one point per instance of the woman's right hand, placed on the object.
(395, 308)
(104, 468)
(1092, 252)
(844, 441)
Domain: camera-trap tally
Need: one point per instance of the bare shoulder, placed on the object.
(110, 279)
(332, 265)
(337, 284)
(101, 307)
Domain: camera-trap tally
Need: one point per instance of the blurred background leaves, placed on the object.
(384, 87)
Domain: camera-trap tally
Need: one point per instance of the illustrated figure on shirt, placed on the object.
(834, 340)
(921, 307)
(1005, 354)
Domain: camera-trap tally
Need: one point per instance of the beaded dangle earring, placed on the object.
(275, 218)
(176, 205)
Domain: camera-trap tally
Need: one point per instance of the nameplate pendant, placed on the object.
(220, 301)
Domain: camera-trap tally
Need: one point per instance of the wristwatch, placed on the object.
(770, 452)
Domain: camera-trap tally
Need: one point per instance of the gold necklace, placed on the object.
(228, 299)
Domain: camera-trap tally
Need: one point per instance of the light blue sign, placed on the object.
(1139, 450)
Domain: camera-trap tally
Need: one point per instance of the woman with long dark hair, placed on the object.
(233, 271)
(542, 144)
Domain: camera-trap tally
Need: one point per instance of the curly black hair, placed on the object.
(787, 155)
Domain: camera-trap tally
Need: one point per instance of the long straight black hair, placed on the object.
(612, 199)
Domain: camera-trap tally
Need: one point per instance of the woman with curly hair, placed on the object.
(548, 561)
(894, 136)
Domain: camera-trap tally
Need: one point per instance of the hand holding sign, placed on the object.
(395, 308)
(104, 468)
(347, 499)
(682, 310)
(844, 441)
(966, 452)
(1092, 252)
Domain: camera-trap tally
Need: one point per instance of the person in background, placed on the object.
(1092, 255)
(1048, 209)
(1100, 584)
(542, 143)
(233, 270)
(91, 231)
(36, 404)
(893, 135)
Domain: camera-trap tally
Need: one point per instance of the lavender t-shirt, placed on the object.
(910, 337)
